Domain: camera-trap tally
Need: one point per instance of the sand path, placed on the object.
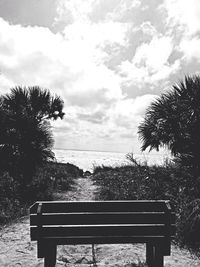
(17, 250)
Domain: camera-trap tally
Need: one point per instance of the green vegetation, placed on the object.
(171, 182)
(27, 170)
(25, 137)
(173, 120)
(48, 179)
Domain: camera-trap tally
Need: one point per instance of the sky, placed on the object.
(107, 59)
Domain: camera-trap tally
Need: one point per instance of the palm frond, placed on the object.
(173, 120)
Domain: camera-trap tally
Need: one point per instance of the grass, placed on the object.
(170, 181)
(16, 199)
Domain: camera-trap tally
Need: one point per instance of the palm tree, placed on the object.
(25, 134)
(173, 121)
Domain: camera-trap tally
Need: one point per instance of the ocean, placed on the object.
(86, 160)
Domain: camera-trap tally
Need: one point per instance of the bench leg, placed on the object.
(50, 255)
(149, 254)
(41, 249)
(158, 257)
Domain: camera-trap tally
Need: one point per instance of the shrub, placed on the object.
(10, 206)
(41, 187)
(63, 175)
(16, 196)
(170, 181)
(50, 178)
(189, 224)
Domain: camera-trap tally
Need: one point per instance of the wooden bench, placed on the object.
(103, 222)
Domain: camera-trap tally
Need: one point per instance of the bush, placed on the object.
(16, 196)
(170, 181)
(188, 222)
(10, 206)
(50, 178)
(41, 187)
(63, 175)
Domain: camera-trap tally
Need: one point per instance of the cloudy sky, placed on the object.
(108, 59)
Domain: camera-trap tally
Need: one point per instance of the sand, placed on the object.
(16, 249)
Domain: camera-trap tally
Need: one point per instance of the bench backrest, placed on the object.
(102, 221)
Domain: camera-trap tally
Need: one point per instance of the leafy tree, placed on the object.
(25, 135)
(173, 121)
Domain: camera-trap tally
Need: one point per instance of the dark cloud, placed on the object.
(118, 53)
(63, 129)
(128, 135)
(95, 117)
(101, 9)
(134, 90)
(176, 54)
(29, 12)
(89, 97)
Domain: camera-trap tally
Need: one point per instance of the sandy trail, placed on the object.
(17, 250)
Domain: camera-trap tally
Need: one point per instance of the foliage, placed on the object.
(173, 120)
(130, 157)
(50, 177)
(171, 181)
(9, 198)
(25, 137)
(189, 224)
(63, 174)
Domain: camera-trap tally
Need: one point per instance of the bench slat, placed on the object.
(101, 218)
(100, 230)
(105, 240)
(105, 206)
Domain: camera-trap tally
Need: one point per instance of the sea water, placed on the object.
(87, 160)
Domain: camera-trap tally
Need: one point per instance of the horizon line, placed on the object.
(89, 150)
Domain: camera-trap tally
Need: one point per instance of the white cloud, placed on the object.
(5, 83)
(190, 48)
(128, 112)
(70, 11)
(165, 72)
(150, 64)
(184, 13)
(183, 20)
(148, 28)
(122, 9)
(97, 84)
(155, 54)
(71, 62)
(85, 42)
